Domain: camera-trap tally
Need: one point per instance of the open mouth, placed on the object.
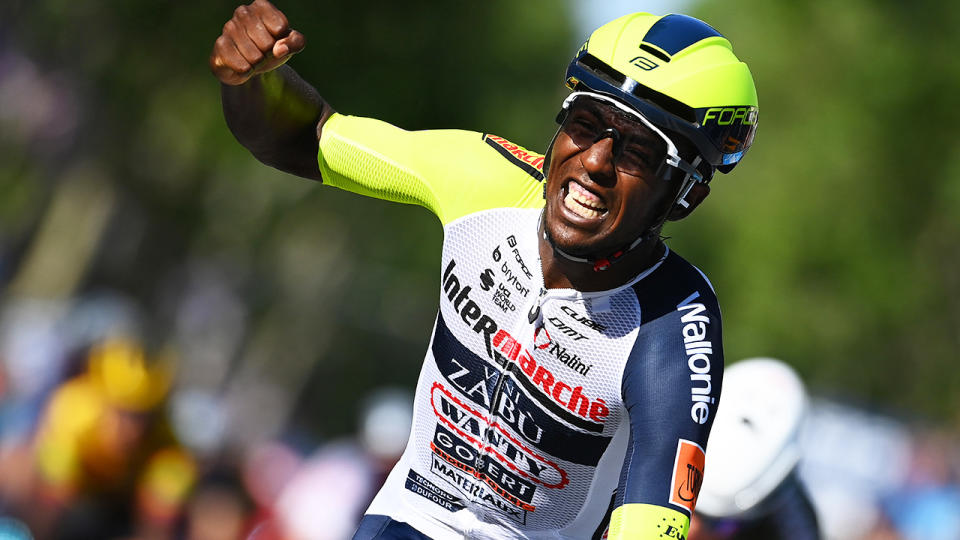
(583, 203)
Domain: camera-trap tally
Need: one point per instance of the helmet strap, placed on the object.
(688, 182)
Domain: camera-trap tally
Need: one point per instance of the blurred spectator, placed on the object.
(928, 505)
(33, 352)
(219, 509)
(852, 459)
(106, 462)
(330, 492)
(267, 470)
(11, 529)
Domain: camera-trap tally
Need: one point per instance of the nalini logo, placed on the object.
(687, 474)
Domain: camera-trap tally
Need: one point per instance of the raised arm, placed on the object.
(271, 110)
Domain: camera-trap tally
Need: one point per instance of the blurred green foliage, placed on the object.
(834, 245)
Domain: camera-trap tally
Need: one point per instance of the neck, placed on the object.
(562, 273)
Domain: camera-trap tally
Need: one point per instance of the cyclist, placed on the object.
(753, 489)
(575, 363)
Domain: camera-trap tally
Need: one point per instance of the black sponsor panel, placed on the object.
(428, 490)
(477, 379)
(465, 456)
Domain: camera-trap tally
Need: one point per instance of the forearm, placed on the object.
(277, 116)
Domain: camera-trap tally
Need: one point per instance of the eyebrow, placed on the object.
(639, 130)
(603, 113)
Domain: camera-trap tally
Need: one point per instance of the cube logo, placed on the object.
(687, 474)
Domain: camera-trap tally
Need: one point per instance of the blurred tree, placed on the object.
(341, 298)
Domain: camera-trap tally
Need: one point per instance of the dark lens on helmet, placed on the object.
(730, 129)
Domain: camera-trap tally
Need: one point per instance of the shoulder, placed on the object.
(462, 149)
(679, 341)
(527, 161)
(451, 172)
(675, 286)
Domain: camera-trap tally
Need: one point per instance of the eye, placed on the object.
(637, 155)
(582, 128)
(584, 123)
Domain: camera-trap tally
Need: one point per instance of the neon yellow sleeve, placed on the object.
(450, 172)
(636, 521)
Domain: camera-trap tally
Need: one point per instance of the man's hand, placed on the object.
(257, 39)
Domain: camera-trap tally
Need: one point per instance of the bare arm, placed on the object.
(272, 111)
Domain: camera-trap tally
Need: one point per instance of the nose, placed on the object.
(599, 159)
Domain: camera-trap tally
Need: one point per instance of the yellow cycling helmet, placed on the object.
(680, 74)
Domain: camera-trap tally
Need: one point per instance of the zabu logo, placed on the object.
(687, 474)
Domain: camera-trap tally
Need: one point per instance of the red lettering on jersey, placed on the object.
(509, 451)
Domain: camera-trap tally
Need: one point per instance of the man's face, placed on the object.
(604, 193)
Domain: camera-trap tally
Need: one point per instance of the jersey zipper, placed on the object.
(534, 320)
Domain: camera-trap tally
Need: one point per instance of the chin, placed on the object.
(573, 243)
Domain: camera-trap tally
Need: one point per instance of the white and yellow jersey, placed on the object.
(539, 413)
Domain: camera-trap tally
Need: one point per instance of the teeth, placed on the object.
(582, 202)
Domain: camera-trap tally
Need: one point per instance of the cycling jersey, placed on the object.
(539, 413)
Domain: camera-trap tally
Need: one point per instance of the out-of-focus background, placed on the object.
(193, 345)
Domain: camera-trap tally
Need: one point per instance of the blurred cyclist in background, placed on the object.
(576, 361)
(751, 489)
(106, 462)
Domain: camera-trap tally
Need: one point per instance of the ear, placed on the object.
(696, 196)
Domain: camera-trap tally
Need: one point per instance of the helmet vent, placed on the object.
(613, 76)
(602, 70)
(656, 52)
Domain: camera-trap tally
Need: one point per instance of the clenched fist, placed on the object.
(257, 39)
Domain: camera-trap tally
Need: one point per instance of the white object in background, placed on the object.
(753, 445)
